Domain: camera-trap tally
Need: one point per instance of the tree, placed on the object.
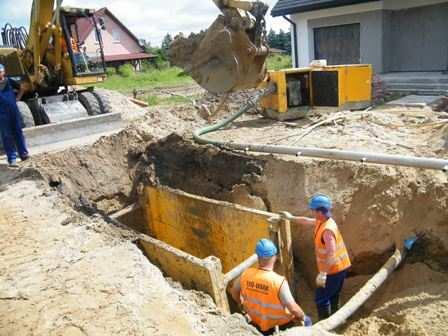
(272, 38)
(280, 40)
(166, 44)
(285, 41)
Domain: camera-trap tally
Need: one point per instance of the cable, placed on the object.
(14, 37)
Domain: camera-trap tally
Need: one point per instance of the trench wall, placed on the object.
(204, 227)
(193, 273)
(375, 206)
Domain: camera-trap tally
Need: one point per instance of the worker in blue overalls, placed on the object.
(11, 120)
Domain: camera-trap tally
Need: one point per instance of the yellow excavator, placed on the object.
(231, 56)
(54, 63)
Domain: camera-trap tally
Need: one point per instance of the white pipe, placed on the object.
(362, 157)
(363, 294)
(238, 270)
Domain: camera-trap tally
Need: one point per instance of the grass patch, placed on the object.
(146, 80)
(278, 62)
(126, 80)
(170, 100)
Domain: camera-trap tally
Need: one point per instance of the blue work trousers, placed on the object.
(11, 125)
(330, 293)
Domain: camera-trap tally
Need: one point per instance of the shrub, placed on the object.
(126, 70)
(110, 71)
(148, 66)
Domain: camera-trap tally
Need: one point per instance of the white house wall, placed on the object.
(328, 17)
(403, 4)
(371, 16)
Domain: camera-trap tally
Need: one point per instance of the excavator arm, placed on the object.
(230, 55)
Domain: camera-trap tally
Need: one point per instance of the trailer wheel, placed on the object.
(105, 104)
(90, 103)
(26, 115)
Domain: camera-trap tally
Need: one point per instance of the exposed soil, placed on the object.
(64, 273)
(52, 252)
(375, 206)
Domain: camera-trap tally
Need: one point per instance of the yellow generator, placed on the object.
(343, 87)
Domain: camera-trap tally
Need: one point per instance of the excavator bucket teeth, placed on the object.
(222, 59)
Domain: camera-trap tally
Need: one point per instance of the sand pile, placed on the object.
(64, 273)
(375, 206)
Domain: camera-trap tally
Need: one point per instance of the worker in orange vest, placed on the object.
(332, 256)
(265, 295)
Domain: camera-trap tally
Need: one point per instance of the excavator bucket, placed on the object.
(229, 56)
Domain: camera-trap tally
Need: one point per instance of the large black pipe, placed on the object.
(294, 45)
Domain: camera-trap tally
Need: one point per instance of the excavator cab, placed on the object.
(82, 39)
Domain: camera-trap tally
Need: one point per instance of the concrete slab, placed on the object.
(72, 133)
(416, 101)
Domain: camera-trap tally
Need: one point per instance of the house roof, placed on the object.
(85, 26)
(285, 7)
(128, 57)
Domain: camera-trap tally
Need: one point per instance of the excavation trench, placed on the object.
(376, 208)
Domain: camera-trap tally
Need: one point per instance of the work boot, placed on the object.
(334, 304)
(13, 164)
(323, 312)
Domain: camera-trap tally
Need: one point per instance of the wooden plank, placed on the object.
(193, 273)
(286, 252)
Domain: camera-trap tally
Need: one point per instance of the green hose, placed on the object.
(198, 134)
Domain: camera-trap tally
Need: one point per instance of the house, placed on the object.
(120, 44)
(392, 35)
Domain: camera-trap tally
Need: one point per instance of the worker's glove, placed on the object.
(307, 321)
(321, 279)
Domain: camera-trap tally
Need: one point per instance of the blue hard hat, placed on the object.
(265, 248)
(2, 67)
(320, 201)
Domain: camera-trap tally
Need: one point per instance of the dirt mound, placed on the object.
(406, 131)
(414, 301)
(68, 274)
(101, 173)
(120, 103)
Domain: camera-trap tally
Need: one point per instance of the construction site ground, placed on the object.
(66, 270)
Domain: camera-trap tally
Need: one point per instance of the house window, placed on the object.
(116, 35)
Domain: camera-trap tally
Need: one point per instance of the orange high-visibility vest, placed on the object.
(75, 46)
(341, 260)
(260, 291)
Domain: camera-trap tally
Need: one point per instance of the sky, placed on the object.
(147, 19)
